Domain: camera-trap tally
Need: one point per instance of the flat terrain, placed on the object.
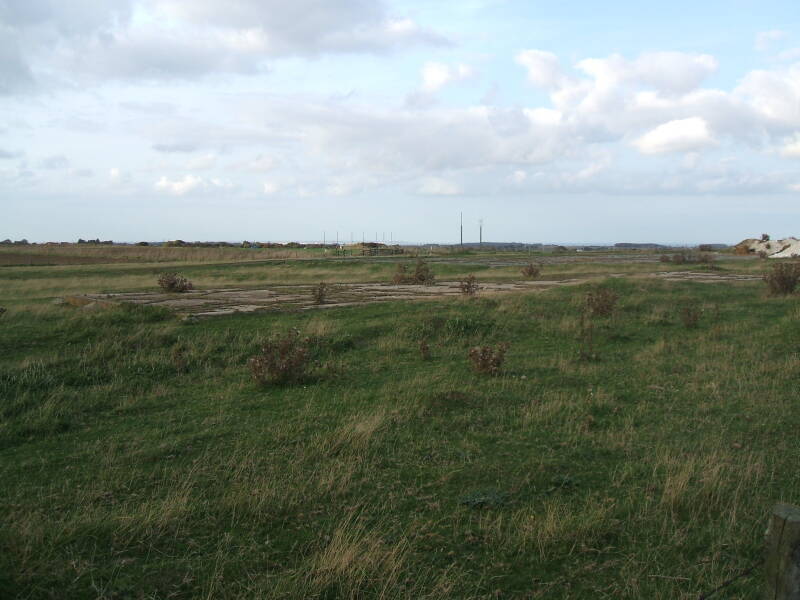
(635, 455)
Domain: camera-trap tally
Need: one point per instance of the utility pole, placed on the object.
(480, 232)
(461, 217)
(324, 238)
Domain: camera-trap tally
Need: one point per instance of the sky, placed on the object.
(555, 122)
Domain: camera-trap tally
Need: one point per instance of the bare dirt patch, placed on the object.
(298, 297)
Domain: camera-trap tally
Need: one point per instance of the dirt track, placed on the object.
(203, 303)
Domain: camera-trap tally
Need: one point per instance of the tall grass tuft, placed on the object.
(487, 360)
(282, 360)
(601, 302)
(782, 279)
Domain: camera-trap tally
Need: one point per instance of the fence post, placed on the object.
(782, 566)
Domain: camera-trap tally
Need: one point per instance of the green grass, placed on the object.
(139, 460)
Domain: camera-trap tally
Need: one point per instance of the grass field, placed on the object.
(140, 460)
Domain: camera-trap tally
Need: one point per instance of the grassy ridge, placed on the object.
(139, 460)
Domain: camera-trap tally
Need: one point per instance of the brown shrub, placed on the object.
(469, 286)
(487, 360)
(783, 279)
(531, 270)
(422, 274)
(601, 302)
(401, 275)
(283, 359)
(174, 283)
(320, 292)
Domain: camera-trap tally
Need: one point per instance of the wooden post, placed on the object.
(782, 566)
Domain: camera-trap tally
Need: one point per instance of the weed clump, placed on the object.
(2, 311)
(174, 283)
(783, 279)
(422, 274)
(487, 360)
(424, 349)
(688, 258)
(320, 292)
(531, 270)
(469, 286)
(689, 313)
(282, 360)
(601, 302)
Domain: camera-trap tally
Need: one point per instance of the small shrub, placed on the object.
(283, 359)
(705, 248)
(487, 360)
(320, 292)
(469, 286)
(783, 279)
(689, 313)
(423, 274)
(174, 283)
(2, 311)
(424, 349)
(401, 275)
(531, 270)
(665, 258)
(762, 254)
(601, 302)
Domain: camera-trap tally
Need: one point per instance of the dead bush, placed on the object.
(487, 360)
(689, 312)
(401, 275)
(469, 286)
(689, 258)
(320, 292)
(783, 279)
(422, 274)
(174, 283)
(531, 270)
(601, 302)
(282, 360)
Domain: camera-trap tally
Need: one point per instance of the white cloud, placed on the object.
(680, 135)
(270, 188)
(190, 183)
(179, 187)
(437, 186)
(795, 187)
(83, 41)
(544, 68)
(436, 75)
(200, 163)
(764, 39)
(791, 149)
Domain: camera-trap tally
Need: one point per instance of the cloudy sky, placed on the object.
(569, 121)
